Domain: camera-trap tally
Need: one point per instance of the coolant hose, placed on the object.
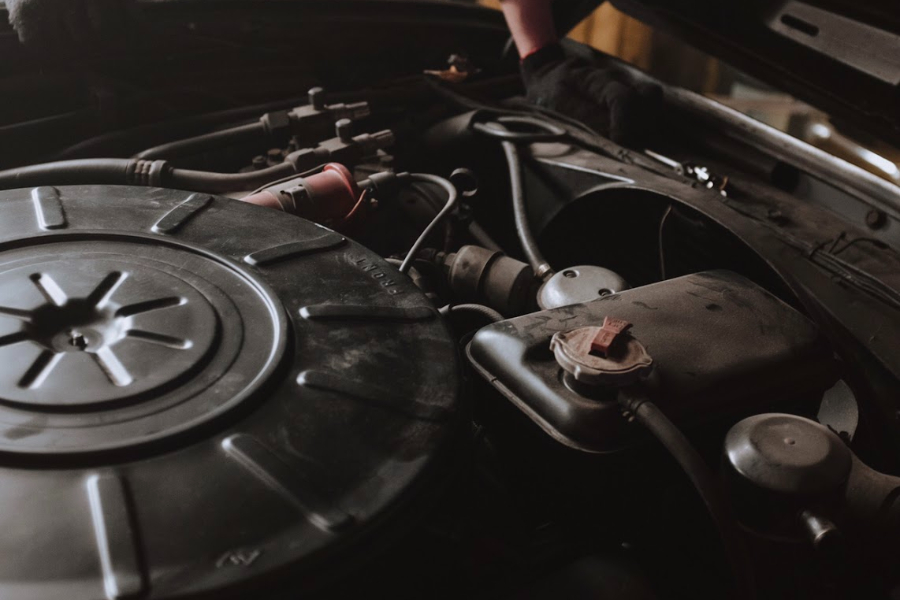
(680, 448)
(70, 172)
(127, 171)
(204, 181)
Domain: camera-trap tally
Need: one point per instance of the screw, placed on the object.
(274, 156)
(317, 98)
(570, 274)
(876, 219)
(344, 130)
(78, 340)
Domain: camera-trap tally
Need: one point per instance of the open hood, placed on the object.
(841, 56)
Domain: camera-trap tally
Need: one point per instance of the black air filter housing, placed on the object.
(196, 394)
(720, 344)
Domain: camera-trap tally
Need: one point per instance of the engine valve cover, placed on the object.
(196, 393)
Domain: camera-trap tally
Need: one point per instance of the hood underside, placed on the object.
(842, 57)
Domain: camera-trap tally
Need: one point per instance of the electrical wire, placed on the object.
(452, 198)
(634, 401)
(41, 125)
(662, 252)
(860, 240)
(482, 237)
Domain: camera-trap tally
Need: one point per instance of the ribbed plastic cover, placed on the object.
(196, 393)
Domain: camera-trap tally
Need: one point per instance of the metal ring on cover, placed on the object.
(496, 129)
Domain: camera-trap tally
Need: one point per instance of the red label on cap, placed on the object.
(607, 335)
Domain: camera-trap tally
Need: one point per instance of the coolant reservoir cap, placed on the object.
(603, 355)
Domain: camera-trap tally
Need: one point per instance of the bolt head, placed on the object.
(317, 98)
(876, 219)
(344, 130)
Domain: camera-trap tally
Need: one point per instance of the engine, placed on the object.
(325, 352)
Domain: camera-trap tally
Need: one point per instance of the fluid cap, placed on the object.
(788, 454)
(577, 285)
(604, 355)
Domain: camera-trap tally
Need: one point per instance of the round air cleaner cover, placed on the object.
(196, 393)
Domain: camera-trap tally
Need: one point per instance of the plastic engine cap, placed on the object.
(576, 285)
(601, 355)
(788, 454)
(197, 395)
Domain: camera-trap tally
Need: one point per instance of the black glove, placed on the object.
(57, 27)
(603, 99)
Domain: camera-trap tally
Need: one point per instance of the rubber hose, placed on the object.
(69, 172)
(196, 145)
(125, 140)
(215, 183)
(126, 171)
(484, 311)
(680, 448)
(520, 214)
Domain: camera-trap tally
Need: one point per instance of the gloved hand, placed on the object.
(60, 26)
(603, 99)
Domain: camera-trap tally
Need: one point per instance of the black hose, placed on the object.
(481, 310)
(70, 172)
(115, 142)
(215, 183)
(126, 171)
(201, 143)
(452, 197)
(706, 484)
(520, 214)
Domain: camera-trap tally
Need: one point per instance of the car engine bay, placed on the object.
(408, 335)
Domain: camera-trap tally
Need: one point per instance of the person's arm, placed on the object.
(603, 98)
(531, 24)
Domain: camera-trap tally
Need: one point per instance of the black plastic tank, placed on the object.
(721, 347)
(198, 396)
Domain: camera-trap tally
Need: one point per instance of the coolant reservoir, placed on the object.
(719, 346)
